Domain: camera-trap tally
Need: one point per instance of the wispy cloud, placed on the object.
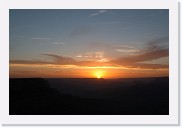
(149, 66)
(40, 38)
(32, 62)
(56, 43)
(138, 60)
(97, 13)
(127, 50)
(159, 43)
(60, 59)
(144, 56)
(111, 23)
(113, 47)
(93, 56)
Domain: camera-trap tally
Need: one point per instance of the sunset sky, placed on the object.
(89, 43)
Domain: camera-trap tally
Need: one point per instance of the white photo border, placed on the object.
(171, 119)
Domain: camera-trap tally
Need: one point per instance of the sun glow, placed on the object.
(99, 74)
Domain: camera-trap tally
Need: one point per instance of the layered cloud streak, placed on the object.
(137, 60)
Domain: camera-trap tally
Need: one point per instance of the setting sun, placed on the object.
(99, 74)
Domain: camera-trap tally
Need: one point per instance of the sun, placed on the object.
(99, 74)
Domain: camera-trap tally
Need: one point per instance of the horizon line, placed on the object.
(84, 78)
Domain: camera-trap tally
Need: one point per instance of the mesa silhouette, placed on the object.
(84, 96)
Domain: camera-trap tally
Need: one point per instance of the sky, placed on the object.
(89, 43)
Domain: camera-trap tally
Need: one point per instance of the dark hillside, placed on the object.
(37, 96)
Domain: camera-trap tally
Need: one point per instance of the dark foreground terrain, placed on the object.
(37, 96)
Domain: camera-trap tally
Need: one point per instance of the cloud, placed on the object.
(88, 63)
(137, 60)
(145, 56)
(159, 43)
(56, 43)
(32, 62)
(57, 60)
(79, 56)
(113, 48)
(111, 23)
(93, 56)
(106, 45)
(97, 13)
(39, 38)
(60, 59)
(126, 50)
(149, 66)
